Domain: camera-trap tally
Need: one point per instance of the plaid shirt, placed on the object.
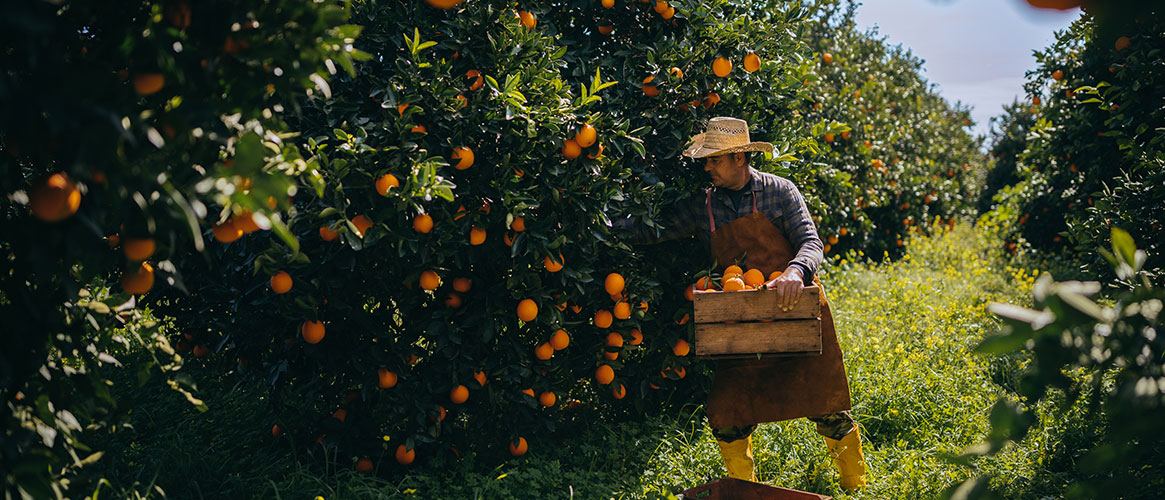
(776, 197)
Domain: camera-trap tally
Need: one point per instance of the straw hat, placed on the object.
(725, 135)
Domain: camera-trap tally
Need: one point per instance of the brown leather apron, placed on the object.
(771, 389)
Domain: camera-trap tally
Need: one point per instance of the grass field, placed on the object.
(907, 329)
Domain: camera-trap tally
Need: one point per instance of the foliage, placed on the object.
(1108, 355)
(894, 153)
(1093, 160)
(912, 413)
(120, 122)
(1008, 141)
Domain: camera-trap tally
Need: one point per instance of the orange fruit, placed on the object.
(611, 356)
(608, 3)
(520, 448)
(843, 231)
(453, 301)
(603, 318)
(614, 339)
(1036, 101)
(828, 137)
(544, 351)
(681, 348)
(385, 378)
(138, 280)
(138, 248)
(462, 101)
(605, 29)
(754, 277)
(619, 392)
(636, 337)
(528, 392)
(688, 292)
(509, 238)
(464, 157)
(704, 283)
(528, 19)
(54, 198)
(1123, 43)
(548, 399)
(676, 72)
(386, 182)
(668, 13)
(148, 83)
(613, 284)
(419, 129)
(362, 223)
(475, 75)
(527, 310)
(711, 100)
(518, 225)
(751, 62)
(281, 282)
(313, 331)
(400, 109)
(459, 394)
(660, 6)
(479, 376)
(462, 284)
(444, 4)
(604, 374)
(551, 265)
(648, 89)
(733, 284)
(571, 149)
(364, 464)
(276, 431)
(327, 234)
(201, 351)
(1057, 75)
(721, 67)
(586, 136)
(423, 223)
(559, 340)
(845, 135)
(405, 456)
(430, 280)
(245, 221)
(622, 310)
(476, 236)
(827, 57)
(733, 269)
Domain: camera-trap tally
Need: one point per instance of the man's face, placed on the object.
(727, 171)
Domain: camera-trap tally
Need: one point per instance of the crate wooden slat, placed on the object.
(795, 336)
(753, 305)
(747, 323)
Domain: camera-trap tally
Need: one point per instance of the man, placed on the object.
(762, 218)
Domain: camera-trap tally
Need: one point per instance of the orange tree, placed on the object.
(1093, 157)
(124, 128)
(1008, 141)
(456, 283)
(895, 157)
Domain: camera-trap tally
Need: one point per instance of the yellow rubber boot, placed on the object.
(847, 454)
(738, 458)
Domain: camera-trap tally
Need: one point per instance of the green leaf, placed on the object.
(1123, 245)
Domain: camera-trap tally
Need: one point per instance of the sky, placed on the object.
(976, 50)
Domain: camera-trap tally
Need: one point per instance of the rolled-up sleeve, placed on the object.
(798, 225)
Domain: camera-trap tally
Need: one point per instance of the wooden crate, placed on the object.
(749, 322)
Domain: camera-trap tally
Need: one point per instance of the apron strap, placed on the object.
(708, 203)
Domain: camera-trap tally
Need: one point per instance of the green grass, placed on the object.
(907, 329)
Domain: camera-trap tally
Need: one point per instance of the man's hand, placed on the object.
(788, 286)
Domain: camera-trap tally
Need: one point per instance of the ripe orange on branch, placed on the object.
(136, 249)
(362, 223)
(405, 456)
(464, 157)
(139, 279)
(459, 394)
(527, 310)
(603, 318)
(313, 331)
(386, 182)
(751, 62)
(54, 198)
(281, 282)
(587, 135)
(520, 448)
(721, 67)
(385, 378)
(571, 149)
(423, 223)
